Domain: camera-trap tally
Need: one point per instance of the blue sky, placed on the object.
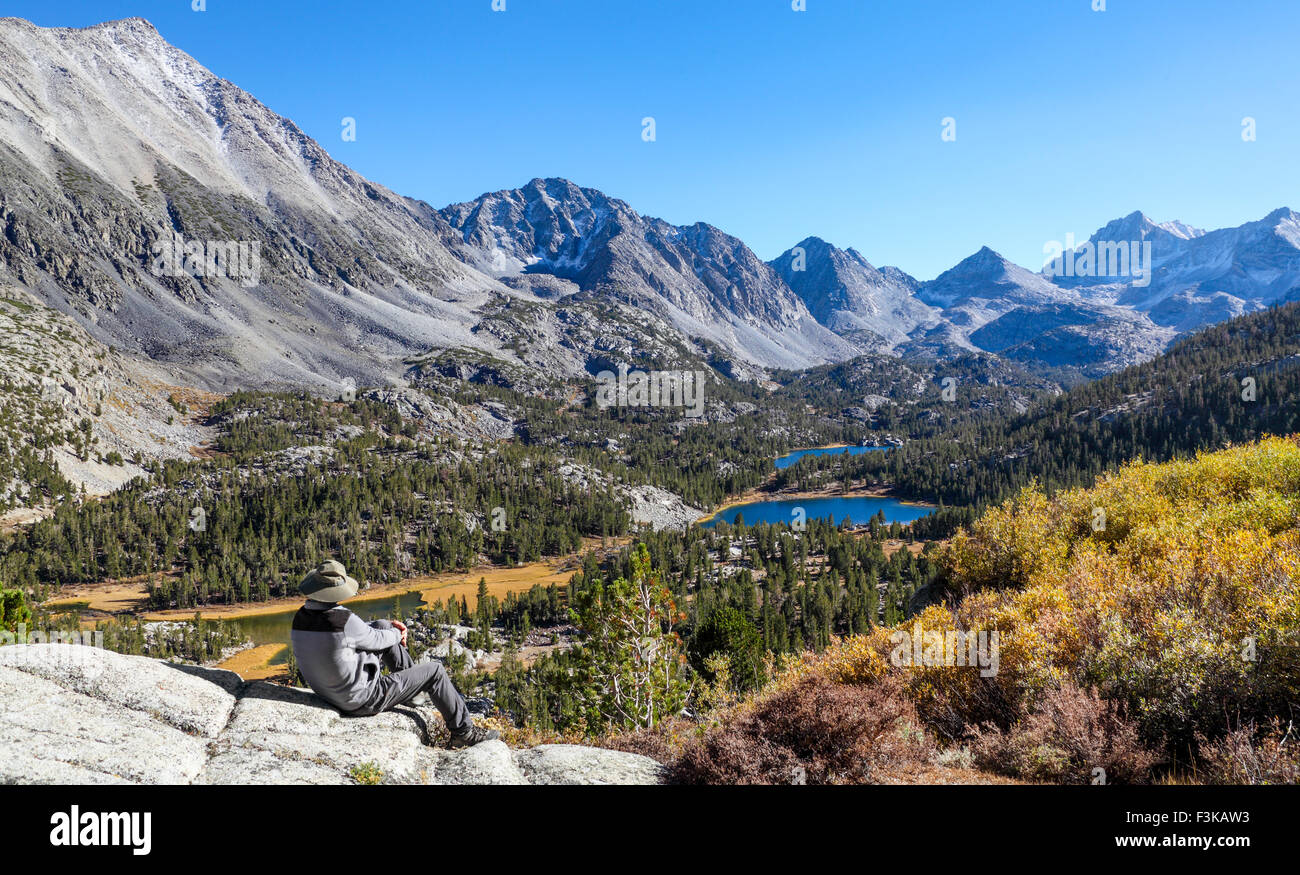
(774, 124)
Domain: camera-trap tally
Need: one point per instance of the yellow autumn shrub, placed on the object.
(860, 659)
(1170, 587)
(1167, 590)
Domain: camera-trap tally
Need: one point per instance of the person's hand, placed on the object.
(401, 627)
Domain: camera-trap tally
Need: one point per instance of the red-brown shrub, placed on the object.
(813, 731)
(1249, 756)
(1072, 733)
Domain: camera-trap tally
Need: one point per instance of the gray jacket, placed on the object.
(337, 652)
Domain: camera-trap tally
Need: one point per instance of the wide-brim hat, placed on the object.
(329, 582)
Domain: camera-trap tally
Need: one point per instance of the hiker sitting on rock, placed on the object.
(340, 656)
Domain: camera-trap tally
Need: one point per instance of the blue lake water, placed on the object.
(860, 509)
(790, 458)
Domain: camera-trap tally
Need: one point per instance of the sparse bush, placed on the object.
(812, 731)
(1250, 756)
(1073, 733)
(955, 758)
(663, 744)
(366, 773)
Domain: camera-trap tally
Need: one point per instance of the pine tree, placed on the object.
(630, 670)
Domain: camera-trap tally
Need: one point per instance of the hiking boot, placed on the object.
(471, 736)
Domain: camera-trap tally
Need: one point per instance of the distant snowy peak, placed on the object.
(113, 142)
(706, 282)
(1178, 229)
(1137, 226)
(1199, 276)
(1285, 223)
(1282, 222)
(897, 275)
(547, 224)
(987, 276)
(878, 308)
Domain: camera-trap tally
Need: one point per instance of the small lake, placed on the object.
(858, 508)
(790, 458)
(274, 628)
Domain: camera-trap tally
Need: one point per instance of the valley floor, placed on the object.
(98, 600)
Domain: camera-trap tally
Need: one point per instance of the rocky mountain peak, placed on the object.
(1138, 226)
(1281, 215)
(986, 264)
(113, 142)
(985, 285)
(704, 281)
(843, 291)
(134, 27)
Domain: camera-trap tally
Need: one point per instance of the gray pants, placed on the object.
(405, 680)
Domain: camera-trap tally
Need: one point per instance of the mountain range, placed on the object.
(116, 146)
